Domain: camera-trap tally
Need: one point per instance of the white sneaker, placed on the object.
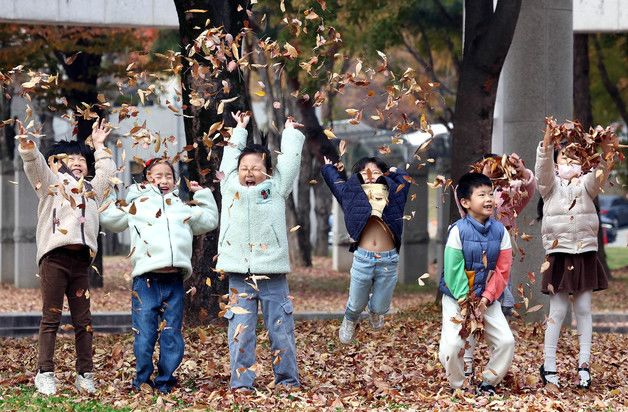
(376, 321)
(45, 383)
(85, 383)
(347, 329)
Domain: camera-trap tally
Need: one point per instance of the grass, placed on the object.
(24, 397)
(616, 257)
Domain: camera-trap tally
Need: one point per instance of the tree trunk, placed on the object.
(610, 87)
(204, 305)
(487, 38)
(583, 112)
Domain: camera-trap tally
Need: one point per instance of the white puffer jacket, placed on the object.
(570, 221)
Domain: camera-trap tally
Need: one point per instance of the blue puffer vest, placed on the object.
(356, 207)
(476, 239)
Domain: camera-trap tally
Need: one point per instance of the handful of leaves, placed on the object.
(588, 148)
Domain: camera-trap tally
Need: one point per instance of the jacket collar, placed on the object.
(482, 228)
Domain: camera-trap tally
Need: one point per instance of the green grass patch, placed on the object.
(25, 398)
(616, 257)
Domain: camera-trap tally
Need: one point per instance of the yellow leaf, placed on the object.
(260, 93)
(295, 228)
(208, 282)
(329, 134)
(237, 310)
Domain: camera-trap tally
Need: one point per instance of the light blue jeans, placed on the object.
(277, 313)
(374, 274)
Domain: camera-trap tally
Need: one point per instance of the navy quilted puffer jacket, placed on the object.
(356, 206)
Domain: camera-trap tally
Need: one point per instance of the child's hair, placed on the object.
(361, 164)
(150, 163)
(470, 181)
(259, 150)
(74, 147)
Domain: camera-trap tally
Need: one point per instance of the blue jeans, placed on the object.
(272, 294)
(157, 304)
(374, 274)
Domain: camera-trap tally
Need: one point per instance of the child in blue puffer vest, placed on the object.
(253, 250)
(162, 228)
(477, 262)
(373, 200)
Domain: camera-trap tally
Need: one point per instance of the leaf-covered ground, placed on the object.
(396, 368)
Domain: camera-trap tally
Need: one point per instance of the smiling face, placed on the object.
(481, 204)
(161, 176)
(77, 165)
(371, 173)
(252, 169)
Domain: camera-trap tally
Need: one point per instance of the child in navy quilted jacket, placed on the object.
(373, 200)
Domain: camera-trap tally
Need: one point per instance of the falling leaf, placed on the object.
(295, 228)
(554, 244)
(545, 266)
(133, 209)
(237, 310)
(534, 308)
(423, 276)
(342, 147)
(329, 134)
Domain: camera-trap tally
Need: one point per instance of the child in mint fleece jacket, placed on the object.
(478, 257)
(162, 228)
(253, 250)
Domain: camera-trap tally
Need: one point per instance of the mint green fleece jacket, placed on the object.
(253, 233)
(162, 226)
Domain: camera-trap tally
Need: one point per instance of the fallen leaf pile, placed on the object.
(396, 368)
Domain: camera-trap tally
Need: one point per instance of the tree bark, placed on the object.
(487, 38)
(583, 112)
(204, 305)
(611, 88)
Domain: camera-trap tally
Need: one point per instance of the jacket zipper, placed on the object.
(248, 211)
(54, 220)
(275, 233)
(163, 205)
(83, 221)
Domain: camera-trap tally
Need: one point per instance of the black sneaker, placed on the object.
(545, 373)
(485, 388)
(584, 384)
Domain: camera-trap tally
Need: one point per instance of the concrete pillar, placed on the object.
(537, 81)
(25, 209)
(415, 242)
(442, 213)
(7, 194)
(341, 257)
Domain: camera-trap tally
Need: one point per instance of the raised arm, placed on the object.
(37, 171)
(334, 181)
(453, 264)
(232, 150)
(105, 166)
(399, 177)
(205, 214)
(544, 168)
(289, 160)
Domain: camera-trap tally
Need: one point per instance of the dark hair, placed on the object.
(361, 164)
(150, 163)
(74, 147)
(487, 156)
(259, 150)
(470, 181)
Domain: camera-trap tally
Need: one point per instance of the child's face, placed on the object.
(161, 176)
(480, 204)
(371, 173)
(77, 165)
(562, 159)
(252, 170)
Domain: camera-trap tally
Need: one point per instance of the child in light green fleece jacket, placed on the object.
(162, 228)
(253, 250)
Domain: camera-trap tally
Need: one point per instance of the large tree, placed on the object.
(210, 36)
(488, 34)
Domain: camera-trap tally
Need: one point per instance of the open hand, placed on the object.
(480, 309)
(547, 137)
(242, 118)
(100, 131)
(327, 161)
(22, 136)
(194, 186)
(291, 123)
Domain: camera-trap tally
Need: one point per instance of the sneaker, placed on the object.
(376, 321)
(45, 383)
(485, 388)
(347, 329)
(85, 383)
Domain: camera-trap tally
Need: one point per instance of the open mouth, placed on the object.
(249, 182)
(77, 171)
(164, 189)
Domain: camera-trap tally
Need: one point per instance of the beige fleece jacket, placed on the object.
(67, 213)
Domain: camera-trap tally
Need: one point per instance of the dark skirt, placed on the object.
(574, 273)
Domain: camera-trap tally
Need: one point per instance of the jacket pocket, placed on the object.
(287, 307)
(224, 235)
(276, 235)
